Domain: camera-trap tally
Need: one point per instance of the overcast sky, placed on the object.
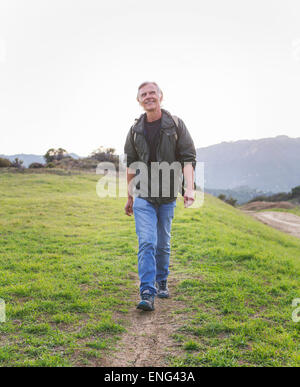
(69, 69)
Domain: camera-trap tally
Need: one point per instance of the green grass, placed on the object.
(240, 278)
(65, 259)
(66, 263)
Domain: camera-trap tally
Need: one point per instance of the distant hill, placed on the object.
(242, 194)
(269, 164)
(29, 158)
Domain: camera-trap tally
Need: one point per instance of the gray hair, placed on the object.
(149, 83)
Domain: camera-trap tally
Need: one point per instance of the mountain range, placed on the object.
(268, 164)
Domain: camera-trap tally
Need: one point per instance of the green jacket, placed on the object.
(175, 144)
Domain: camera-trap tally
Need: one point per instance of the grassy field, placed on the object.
(67, 260)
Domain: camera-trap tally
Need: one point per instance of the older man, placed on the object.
(155, 138)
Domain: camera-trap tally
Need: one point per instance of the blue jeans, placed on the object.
(153, 228)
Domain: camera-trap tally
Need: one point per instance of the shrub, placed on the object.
(4, 163)
(36, 165)
(230, 200)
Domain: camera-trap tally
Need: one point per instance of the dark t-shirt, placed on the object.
(152, 133)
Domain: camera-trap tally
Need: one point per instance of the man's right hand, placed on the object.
(128, 206)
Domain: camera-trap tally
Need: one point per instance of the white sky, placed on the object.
(69, 70)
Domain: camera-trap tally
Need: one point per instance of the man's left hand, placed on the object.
(189, 197)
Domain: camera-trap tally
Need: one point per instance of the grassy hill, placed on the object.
(67, 260)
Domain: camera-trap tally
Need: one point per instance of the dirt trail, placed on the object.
(283, 221)
(148, 341)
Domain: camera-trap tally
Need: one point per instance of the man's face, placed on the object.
(149, 97)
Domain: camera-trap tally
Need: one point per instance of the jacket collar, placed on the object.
(166, 122)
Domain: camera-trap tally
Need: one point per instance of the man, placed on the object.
(155, 138)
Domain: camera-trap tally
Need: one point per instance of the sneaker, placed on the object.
(162, 289)
(147, 301)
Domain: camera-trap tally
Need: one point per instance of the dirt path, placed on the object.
(148, 341)
(283, 221)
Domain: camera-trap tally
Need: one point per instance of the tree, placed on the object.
(49, 155)
(17, 163)
(55, 154)
(110, 151)
(104, 154)
(61, 153)
(296, 192)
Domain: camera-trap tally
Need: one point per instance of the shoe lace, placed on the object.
(147, 296)
(163, 285)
